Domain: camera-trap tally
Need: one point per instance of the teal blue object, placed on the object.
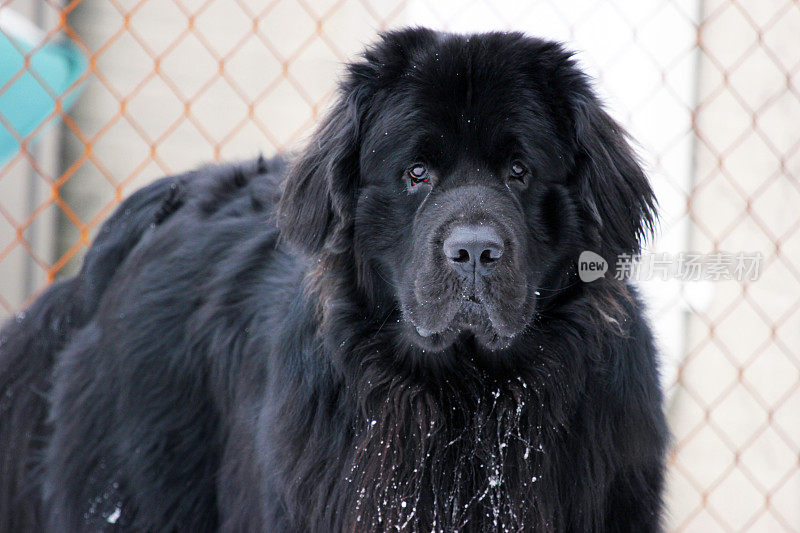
(26, 103)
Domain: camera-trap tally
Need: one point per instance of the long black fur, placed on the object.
(244, 348)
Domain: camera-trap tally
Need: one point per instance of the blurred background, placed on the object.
(98, 97)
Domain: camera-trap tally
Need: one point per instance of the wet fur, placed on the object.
(207, 370)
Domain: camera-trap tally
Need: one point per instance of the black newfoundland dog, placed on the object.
(385, 333)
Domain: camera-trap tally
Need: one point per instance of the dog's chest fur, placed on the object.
(459, 459)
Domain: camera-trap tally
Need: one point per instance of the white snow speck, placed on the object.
(113, 517)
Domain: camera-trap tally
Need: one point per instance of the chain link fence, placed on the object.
(709, 88)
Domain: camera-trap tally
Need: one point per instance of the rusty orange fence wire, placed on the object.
(710, 88)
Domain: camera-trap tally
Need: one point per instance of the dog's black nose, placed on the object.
(473, 250)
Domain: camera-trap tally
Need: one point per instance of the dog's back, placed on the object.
(31, 341)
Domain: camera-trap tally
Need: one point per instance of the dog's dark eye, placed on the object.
(518, 171)
(418, 174)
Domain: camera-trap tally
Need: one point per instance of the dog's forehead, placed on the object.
(479, 114)
(467, 83)
(481, 96)
(463, 87)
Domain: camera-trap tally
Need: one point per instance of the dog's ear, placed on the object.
(315, 212)
(614, 192)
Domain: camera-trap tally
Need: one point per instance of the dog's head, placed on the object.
(463, 175)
